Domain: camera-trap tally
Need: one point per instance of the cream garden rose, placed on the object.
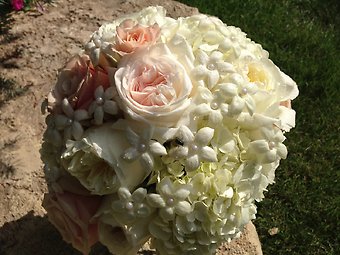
(97, 163)
(153, 86)
(270, 80)
(271, 90)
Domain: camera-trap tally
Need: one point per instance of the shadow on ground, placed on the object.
(7, 37)
(5, 19)
(35, 235)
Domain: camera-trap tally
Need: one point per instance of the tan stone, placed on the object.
(247, 244)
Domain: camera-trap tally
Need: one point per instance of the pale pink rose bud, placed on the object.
(130, 36)
(72, 215)
(94, 78)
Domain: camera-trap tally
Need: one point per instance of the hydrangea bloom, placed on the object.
(176, 124)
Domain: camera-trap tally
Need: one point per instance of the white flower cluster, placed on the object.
(176, 124)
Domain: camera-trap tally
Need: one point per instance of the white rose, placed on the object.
(153, 86)
(97, 163)
(274, 89)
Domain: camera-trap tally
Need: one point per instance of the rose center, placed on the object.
(151, 88)
(133, 37)
(259, 76)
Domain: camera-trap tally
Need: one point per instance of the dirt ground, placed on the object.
(31, 52)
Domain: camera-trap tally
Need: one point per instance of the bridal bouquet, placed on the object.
(163, 129)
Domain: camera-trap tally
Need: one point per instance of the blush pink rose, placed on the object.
(130, 36)
(77, 82)
(94, 78)
(72, 215)
(153, 86)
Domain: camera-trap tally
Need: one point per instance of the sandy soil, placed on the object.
(31, 52)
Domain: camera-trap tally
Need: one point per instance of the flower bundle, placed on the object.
(163, 128)
(18, 5)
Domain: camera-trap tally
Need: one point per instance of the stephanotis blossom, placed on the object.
(143, 147)
(102, 104)
(70, 121)
(195, 147)
(211, 68)
(171, 199)
(164, 129)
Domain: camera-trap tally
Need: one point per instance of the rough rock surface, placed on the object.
(31, 52)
